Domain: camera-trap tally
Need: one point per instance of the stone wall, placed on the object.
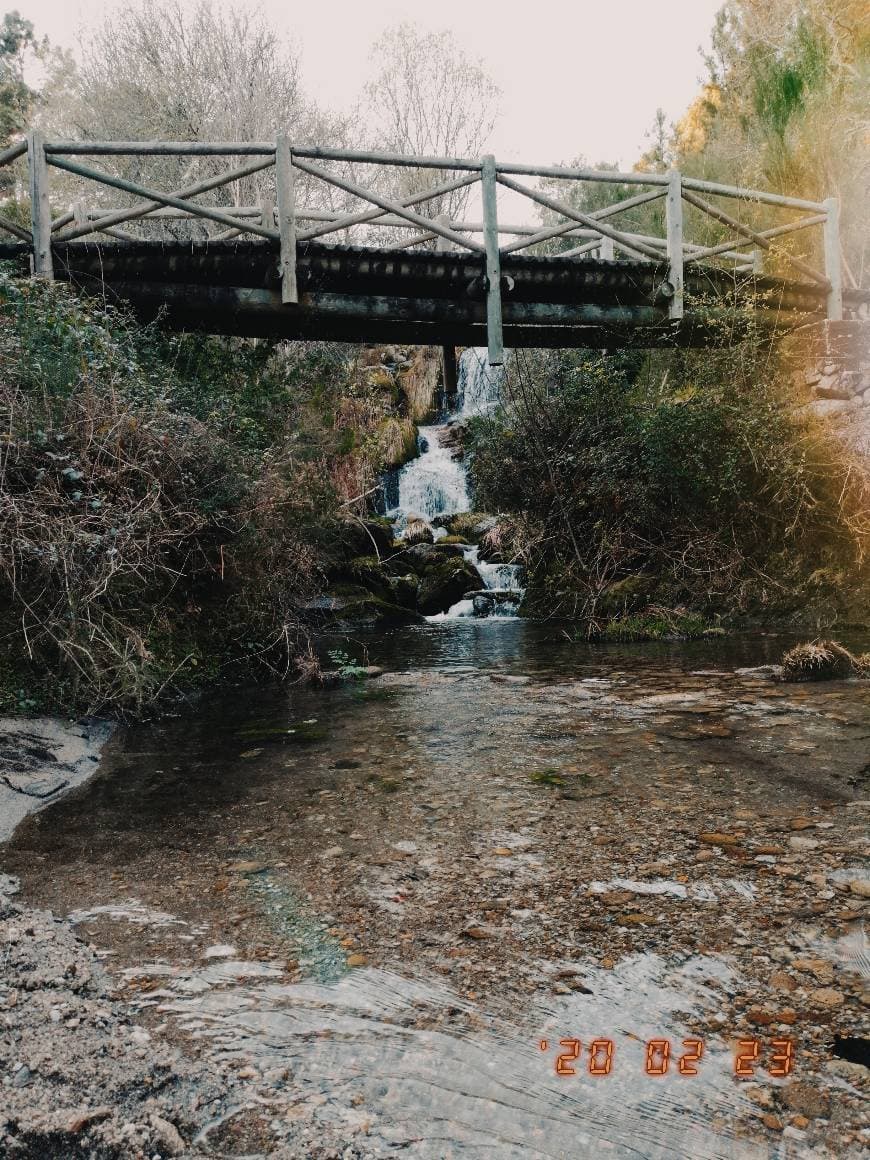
(831, 363)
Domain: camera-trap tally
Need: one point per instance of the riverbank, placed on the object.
(358, 925)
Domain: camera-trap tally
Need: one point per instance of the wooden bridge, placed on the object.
(306, 242)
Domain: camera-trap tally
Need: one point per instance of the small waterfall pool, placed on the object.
(435, 485)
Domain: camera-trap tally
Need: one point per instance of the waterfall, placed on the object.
(436, 484)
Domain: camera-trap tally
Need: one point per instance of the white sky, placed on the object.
(577, 76)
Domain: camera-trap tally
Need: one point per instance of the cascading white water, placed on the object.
(433, 484)
(436, 484)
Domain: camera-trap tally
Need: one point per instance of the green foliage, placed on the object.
(16, 96)
(674, 480)
(169, 503)
(347, 667)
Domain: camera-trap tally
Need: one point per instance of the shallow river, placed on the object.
(384, 906)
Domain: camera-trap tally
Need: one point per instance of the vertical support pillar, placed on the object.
(674, 215)
(833, 262)
(40, 209)
(494, 337)
(758, 262)
(449, 376)
(284, 187)
(605, 250)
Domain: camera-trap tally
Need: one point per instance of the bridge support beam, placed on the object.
(674, 214)
(494, 333)
(40, 210)
(286, 194)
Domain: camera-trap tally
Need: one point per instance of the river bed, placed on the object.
(375, 911)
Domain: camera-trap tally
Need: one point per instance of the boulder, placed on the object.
(404, 589)
(418, 532)
(369, 612)
(445, 584)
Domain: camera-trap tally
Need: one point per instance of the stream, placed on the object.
(373, 905)
(517, 897)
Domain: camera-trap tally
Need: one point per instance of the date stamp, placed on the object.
(596, 1056)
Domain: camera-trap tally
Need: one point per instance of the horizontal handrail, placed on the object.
(378, 157)
(592, 229)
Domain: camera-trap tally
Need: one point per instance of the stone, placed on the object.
(357, 960)
(827, 997)
(855, 1073)
(802, 845)
(248, 867)
(774, 1123)
(714, 838)
(782, 981)
(78, 1121)
(168, 1135)
(801, 824)
(861, 887)
(806, 1098)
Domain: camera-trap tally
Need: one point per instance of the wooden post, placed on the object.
(494, 335)
(40, 210)
(605, 250)
(833, 264)
(286, 218)
(449, 376)
(674, 216)
(757, 262)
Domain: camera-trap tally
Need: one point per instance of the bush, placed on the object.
(167, 503)
(683, 476)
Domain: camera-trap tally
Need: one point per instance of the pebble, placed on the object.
(802, 845)
(861, 887)
(827, 997)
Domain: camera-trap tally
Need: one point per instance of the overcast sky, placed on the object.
(577, 76)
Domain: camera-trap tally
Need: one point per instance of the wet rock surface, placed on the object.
(363, 923)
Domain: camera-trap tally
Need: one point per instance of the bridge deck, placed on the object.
(349, 293)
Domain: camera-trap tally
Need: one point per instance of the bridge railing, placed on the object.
(370, 210)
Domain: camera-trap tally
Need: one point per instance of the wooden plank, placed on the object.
(833, 262)
(387, 204)
(494, 335)
(203, 211)
(161, 148)
(285, 186)
(726, 219)
(144, 209)
(674, 218)
(637, 249)
(40, 209)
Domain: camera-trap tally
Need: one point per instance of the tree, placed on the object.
(207, 73)
(429, 98)
(16, 96)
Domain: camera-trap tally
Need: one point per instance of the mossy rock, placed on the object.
(626, 595)
(449, 541)
(371, 612)
(444, 585)
(404, 589)
(369, 572)
(469, 526)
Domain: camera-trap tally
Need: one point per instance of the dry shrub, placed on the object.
(823, 660)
